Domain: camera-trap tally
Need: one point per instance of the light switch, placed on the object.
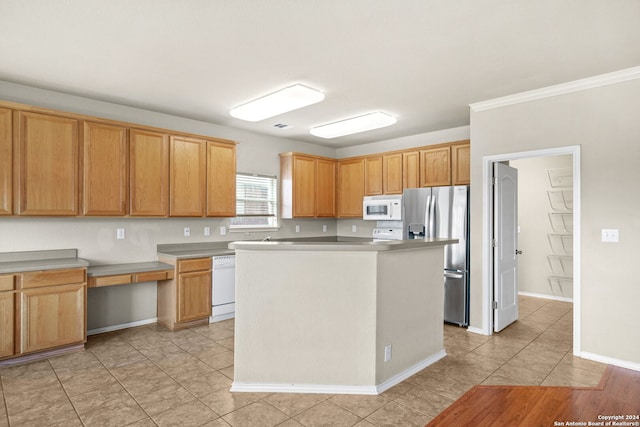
(610, 235)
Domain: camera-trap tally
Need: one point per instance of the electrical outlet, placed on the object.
(187, 232)
(223, 230)
(297, 228)
(120, 233)
(324, 228)
(354, 228)
(207, 231)
(610, 235)
(387, 353)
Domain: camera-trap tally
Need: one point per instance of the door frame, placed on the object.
(487, 225)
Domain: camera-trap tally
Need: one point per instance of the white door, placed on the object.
(505, 222)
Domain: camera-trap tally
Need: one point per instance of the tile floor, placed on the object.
(149, 376)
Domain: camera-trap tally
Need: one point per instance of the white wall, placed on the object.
(533, 219)
(604, 121)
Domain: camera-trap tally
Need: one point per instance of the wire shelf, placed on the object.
(561, 244)
(561, 265)
(560, 177)
(561, 200)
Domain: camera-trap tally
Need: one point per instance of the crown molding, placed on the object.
(563, 88)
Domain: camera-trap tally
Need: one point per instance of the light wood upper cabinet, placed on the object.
(304, 186)
(461, 163)
(187, 172)
(411, 169)
(435, 167)
(52, 308)
(350, 188)
(373, 175)
(105, 161)
(6, 160)
(307, 186)
(392, 182)
(221, 179)
(325, 188)
(148, 173)
(46, 165)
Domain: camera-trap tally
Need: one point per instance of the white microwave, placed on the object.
(382, 208)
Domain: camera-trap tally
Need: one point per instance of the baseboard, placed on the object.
(610, 361)
(478, 331)
(122, 326)
(398, 378)
(32, 357)
(545, 296)
(238, 386)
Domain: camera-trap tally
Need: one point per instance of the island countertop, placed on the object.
(311, 244)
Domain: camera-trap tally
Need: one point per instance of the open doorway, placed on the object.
(569, 289)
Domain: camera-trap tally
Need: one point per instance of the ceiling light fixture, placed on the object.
(287, 99)
(354, 125)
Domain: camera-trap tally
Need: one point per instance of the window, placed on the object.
(256, 201)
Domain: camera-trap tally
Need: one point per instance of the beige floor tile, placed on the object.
(393, 414)
(290, 423)
(219, 361)
(146, 422)
(224, 402)
(218, 422)
(193, 413)
(162, 399)
(584, 364)
(33, 399)
(398, 390)
(520, 374)
(566, 375)
(256, 414)
(294, 403)
(207, 383)
(227, 372)
(440, 383)
(58, 414)
(327, 414)
(146, 381)
(227, 343)
(424, 401)
(362, 406)
(87, 380)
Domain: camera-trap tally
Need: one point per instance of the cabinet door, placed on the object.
(6, 159)
(325, 188)
(104, 170)
(52, 316)
(392, 173)
(411, 169)
(350, 188)
(435, 167)
(461, 164)
(148, 173)
(221, 179)
(47, 165)
(304, 186)
(7, 330)
(194, 295)
(373, 175)
(187, 174)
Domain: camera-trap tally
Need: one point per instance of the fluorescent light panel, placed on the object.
(354, 125)
(287, 99)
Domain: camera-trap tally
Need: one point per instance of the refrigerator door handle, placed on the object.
(454, 275)
(431, 225)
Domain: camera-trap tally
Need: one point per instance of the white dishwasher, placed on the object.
(223, 287)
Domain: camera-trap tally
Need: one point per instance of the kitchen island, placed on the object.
(352, 317)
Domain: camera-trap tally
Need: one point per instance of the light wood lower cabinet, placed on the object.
(52, 316)
(7, 316)
(185, 300)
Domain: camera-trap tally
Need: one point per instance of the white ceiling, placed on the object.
(423, 61)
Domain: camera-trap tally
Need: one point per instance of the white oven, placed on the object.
(382, 208)
(223, 286)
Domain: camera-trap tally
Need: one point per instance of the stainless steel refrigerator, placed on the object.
(443, 212)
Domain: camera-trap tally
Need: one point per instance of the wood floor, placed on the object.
(617, 394)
